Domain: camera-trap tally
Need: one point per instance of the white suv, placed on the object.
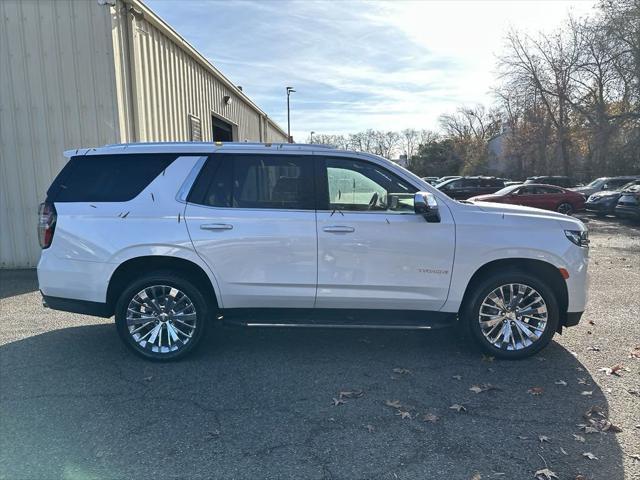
(169, 237)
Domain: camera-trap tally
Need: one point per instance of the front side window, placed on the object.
(357, 185)
(256, 181)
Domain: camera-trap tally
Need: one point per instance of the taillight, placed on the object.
(46, 224)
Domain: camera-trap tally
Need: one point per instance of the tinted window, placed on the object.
(363, 186)
(106, 178)
(256, 181)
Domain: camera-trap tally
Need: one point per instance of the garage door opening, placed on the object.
(222, 131)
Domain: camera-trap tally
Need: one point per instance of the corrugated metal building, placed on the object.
(92, 72)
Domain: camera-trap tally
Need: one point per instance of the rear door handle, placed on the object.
(216, 226)
(339, 229)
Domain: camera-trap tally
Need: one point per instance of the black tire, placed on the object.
(470, 313)
(194, 297)
(565, 208)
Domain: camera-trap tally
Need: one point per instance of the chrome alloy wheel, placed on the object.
(161, 319)
(513, 316)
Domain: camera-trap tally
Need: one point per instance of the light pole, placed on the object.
(312, 132)
(289, 91)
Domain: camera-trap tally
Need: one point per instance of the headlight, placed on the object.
(579, 237)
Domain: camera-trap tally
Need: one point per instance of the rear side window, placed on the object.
(106, 178)
(256, 181)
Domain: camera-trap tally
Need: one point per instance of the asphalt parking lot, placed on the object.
(251, 404)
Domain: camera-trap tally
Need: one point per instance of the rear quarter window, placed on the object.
(106, 178)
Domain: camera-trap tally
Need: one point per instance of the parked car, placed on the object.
(557, 180)
(444, 179)
(465, 187)
(629, 203)
(171, 237)
(547, 197)
(602, 184)
(431, 180)
(604, 202)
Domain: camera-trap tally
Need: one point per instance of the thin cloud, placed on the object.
(358, 65)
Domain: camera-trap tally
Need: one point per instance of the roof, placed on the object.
(197, 147)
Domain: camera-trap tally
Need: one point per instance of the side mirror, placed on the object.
(425, 204)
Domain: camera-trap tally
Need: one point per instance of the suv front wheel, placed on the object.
(511, 314)
(161, 316)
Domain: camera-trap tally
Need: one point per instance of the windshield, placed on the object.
(596, 182)
(506, 190)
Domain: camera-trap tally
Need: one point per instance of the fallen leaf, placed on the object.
(635, 456)
(457, 377)
(545, 474)
(583, 381)
(561, 382)
(543, 438)
(148, 379)
(403, 414)
(458, 408)
(594, 348)
(430, 417)
(393, 403)
(586, 393)
(535, 390)
(338, 401)
(522, 437)
(476, 476)
(580, 477)
(635, 352)
(578, 438)
(402, 371)
(370, 428)
(590, 456)
(634, 392)
(350, 394)
(564, 452)
(615, 370)
(485, 387)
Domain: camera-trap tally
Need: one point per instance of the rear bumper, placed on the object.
(84, 307)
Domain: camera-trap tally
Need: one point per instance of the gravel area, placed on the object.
(74, 404)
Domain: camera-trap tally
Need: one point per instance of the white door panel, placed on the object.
(260, 257)
(378, 260)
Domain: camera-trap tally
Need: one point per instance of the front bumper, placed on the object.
(599, 207)
(627, 212)
(572, 319)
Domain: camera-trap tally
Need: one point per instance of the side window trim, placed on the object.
(211, 165)
(187, 185)
(322, 183)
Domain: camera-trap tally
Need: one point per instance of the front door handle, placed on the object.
(216, 226)
(339, 229)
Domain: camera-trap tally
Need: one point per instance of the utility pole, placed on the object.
(289, 91)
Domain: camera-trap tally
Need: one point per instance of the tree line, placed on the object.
(567, 102)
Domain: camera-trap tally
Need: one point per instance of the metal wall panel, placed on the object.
(170, 85)
(56, 92)
(81, 73)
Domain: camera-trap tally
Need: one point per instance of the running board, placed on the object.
(329, 325)
(338, 318)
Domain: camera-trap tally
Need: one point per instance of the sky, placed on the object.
(358, 65)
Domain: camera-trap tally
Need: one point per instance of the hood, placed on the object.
(485, 198)
(566, 221)
(583, 189)
(606, 193)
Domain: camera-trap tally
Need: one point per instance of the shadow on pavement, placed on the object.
(17, 282)
(258, 404)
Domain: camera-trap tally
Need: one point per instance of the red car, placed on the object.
(548, 197)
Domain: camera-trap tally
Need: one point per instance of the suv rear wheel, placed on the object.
(512, 314)
(161, 316)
